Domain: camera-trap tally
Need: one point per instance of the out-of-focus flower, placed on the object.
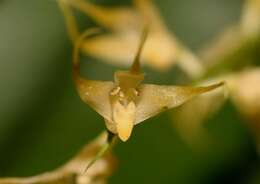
(72, 171)
(251, 17)
(161, 51)
(244, 91)
(126, 102)
(188, 118)
(237, 46)
(232, 58)
(232, 50)
(240, 44)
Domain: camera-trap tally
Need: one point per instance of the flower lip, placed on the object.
(124, 116)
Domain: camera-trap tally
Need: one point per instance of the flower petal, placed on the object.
(96, 95)
(154, 99)
(251, 17)
(245, 91)
(115, 49)
(189, 119)
(118, 19)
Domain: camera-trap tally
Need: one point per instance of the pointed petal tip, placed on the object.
(224, 85)
(124, 139)
(124, 119)
(221, 83)
(216, 85)
(124, 135)
(124, 132)
(136, 67)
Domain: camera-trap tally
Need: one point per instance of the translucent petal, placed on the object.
(189, 118)
(96, 94)
(160, 51)
(150, 13)
(154, 99)
(245, 91)
(113, 18)
(251, 17)
(72, 171)
(116, 49)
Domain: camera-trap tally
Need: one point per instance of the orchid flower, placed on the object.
(232, 57)
(161, 51)
(71, 172)
(126, 102)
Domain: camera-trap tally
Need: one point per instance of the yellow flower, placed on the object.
(162, 50)
(251, 17)
(71, 172)
(231, 57)
(125, 101)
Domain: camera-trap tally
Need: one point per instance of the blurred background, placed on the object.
(43, 122)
